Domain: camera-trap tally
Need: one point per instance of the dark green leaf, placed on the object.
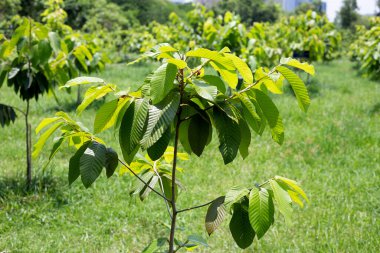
(245, 138)
(198, 133)
(74, 164)
(158, 148)
(92, 162)
(216, 81)
(240, 227)
(229, 138)
(112, 161)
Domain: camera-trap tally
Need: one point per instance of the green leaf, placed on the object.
(167, 185)
(272, 115)
(160, 118)
(158, 149)
(215, 215)
(242, 67)
(250, 114)
(198, 133)
(245, 141)
(184, 136)
(43, 138)
(103, 116)
(112, 161)
(295, 63)
(155, 245)
(205, 91)
(234, 195)
(84, 80)
(215, 56)
(146, 190)
(92, 162)
(229, 138)
(215, 81)
(74, 164)
(228, 75)
(293, 185)
(298, 87)
(45, 122)
(240, 227)
(197, 239)
(94, 94)
(162, 82)
(282, 199)
(132, 128)
(7, 115)
(56, 147)
(261, 211)
(181, 64)
(123, 108)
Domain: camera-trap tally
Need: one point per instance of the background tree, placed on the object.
(250, 10)
(348, 14)
(316, 6)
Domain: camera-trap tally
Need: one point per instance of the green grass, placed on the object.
(333, 151)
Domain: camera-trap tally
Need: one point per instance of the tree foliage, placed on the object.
(177, 104)
(365, 50)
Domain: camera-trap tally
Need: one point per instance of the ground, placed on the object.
(333, 151)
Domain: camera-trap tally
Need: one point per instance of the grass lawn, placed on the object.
(333, 151)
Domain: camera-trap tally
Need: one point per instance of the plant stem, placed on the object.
(28, 128)
(174, 168)
(145, 183)
(195, 207)
(28, 148)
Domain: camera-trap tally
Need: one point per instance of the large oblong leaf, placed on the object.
(282, 199)
(74, 163)
(132, 128)
(92, 162)
(261, 211)
(158, 149)
(83, 80)
(162, 82)
(229, 137)
(240, 227)
(298, 86)
(160, 117)
(104, 115)
(272, 115)
(198, 133)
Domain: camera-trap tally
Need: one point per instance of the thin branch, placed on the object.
(162, 188)
(145, 183)
(195, 207)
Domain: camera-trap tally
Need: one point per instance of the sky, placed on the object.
(365, 7)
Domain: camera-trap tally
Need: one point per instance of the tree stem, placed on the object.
(174, 168)
(28, 148)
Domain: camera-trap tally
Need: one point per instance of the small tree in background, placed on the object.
(348, 14)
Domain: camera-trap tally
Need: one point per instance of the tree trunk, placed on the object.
(28, 130)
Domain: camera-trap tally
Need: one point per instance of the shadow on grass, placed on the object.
(15, 189)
